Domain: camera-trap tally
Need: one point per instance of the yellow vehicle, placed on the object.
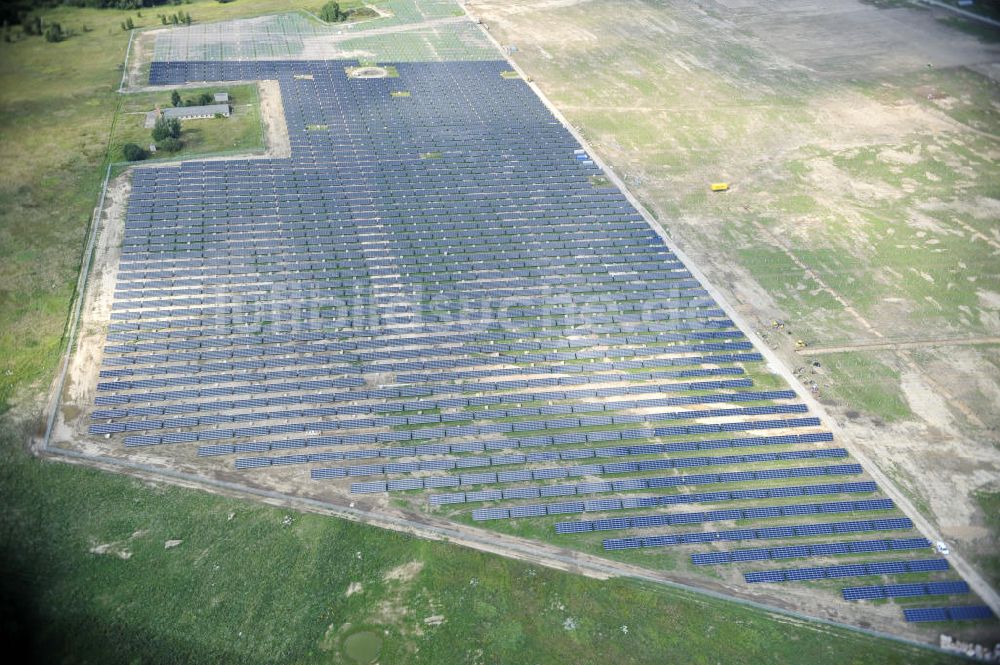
(720, 186)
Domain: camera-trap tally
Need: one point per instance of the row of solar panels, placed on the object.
(765, 512)
(386, 326)
(319, 331)
(480, 363)
(580, 373)
(496, 444)
(479, 446)
(452, 402)
(801, 551)
(395, 407)
(878, 592)
(448, 417)
(550, 473)
(603, 280)
(430, 299)
(958, 613)
(566, 223)
(472, 430)
(375, 168)
(312, 285)
(410, 390)
(241, 251)
(468, 195)
(443, 432)
(421, 206)
(182, 253)
(333, 248)
(505, 288)
(359, 169)
(624, 268)
(525, 384)
(376, 213)
(389, 421)
(624, 485)
(433, 346)
(601, 505)
(776, 532)
(460, 212)
(847, 570)
(467, 430)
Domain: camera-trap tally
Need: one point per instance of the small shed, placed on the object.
(222, 98)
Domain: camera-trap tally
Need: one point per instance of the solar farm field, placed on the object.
(439, 309)
(859, 146)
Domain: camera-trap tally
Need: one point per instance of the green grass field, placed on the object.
(239, 133)
(87, 577)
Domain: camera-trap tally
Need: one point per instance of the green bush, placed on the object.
(133, 152)
(331, 13)
(166, 128)
(170, 144)
(54, 33)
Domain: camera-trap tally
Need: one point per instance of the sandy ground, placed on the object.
(272, 113)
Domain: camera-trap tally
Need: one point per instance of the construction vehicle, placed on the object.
(800, 344)
(719, 186)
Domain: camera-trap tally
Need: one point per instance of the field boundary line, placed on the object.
(128, 51)
(897, 345)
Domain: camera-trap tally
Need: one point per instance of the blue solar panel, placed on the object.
(951, 587)
(970, 613)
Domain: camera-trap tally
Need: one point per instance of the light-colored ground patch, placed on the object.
(272, 113)
(404, 573)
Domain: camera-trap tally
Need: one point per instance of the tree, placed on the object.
(54, 33)
(331, 13)
(32, 25)
(175, 98)
(166, 128)
(133, 153)
(170, 144)
(205, 99)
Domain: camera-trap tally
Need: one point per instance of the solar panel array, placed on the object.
(959, 613)
(438, 285)
(947, 588)
(847, 570)
(818, 549)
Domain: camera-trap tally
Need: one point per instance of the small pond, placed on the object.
(363, 647)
